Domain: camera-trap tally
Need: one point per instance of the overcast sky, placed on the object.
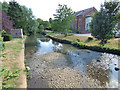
(45, 9)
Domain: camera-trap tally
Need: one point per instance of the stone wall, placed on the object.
(17, 33)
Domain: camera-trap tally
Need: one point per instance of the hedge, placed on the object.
(96, 48)
(6, 37)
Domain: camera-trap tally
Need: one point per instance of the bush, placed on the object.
(6, 37)
(3, 46)
(69, 31)
(75, 41)
(90, 39)
(78, 40)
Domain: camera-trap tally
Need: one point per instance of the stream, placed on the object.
(57, 65)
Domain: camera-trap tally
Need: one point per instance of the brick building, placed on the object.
(82, 20)
(5, 23)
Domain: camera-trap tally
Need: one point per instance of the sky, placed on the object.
(45, 9)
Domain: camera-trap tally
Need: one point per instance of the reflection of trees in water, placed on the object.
(55, 43)
(99, 74)
(45, 39)
(58, 48)
(31, 45)
(63, 48)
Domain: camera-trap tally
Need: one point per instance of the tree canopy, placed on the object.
(22, 16)
(63, 19)
(104, 21)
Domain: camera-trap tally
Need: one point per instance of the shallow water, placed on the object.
(95, 65)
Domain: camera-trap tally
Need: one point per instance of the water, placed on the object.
(94, 65)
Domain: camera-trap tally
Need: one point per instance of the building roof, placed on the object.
(82, 12)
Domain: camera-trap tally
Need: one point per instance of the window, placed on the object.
(79, 24)
(76, 25)
(87, 23)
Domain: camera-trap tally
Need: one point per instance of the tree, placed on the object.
(5, 6)
(41, 28)
(29, 23)
(103, 23)
(63, 19)
(46, 24)
(50, 20)
(15, 13)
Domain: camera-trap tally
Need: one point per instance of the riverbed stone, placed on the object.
(53, 66)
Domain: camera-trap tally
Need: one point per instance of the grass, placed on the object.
(10, 59)
(113, 43)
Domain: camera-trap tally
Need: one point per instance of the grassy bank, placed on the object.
(13, 60)
(112, 46)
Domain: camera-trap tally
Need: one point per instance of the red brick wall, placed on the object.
(5, 22)
(82, 19)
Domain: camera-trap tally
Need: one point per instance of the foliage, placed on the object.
(46, 24)
(3, 31)
(6, 75)
(41, 27)
(3, 46)
(63, 19)
(90, 39)
(6, 37)
(27, 69)
(30, 24)
(15, 13)
(103, 23)
(3, 54)
(75, 41)
(70, 31)
(22, 17)
(4, 6)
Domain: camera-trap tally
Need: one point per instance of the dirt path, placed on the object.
(13, 60)
(22, 66)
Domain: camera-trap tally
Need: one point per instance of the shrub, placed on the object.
(43, 32)
(6, 37)
(3, 46)
(78, 40)
(70, 31)
(82, 45)
(75, 41)
(90, 39)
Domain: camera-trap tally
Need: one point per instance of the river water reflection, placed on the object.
(95, 65)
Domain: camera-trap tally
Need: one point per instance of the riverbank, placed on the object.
(82, 42)
(59, 65)
(13, 60)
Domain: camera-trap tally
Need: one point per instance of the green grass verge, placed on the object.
(112, 46)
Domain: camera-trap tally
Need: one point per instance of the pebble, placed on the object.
(60, 76)
(98, 60)
(117, 69)
(28, 68)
